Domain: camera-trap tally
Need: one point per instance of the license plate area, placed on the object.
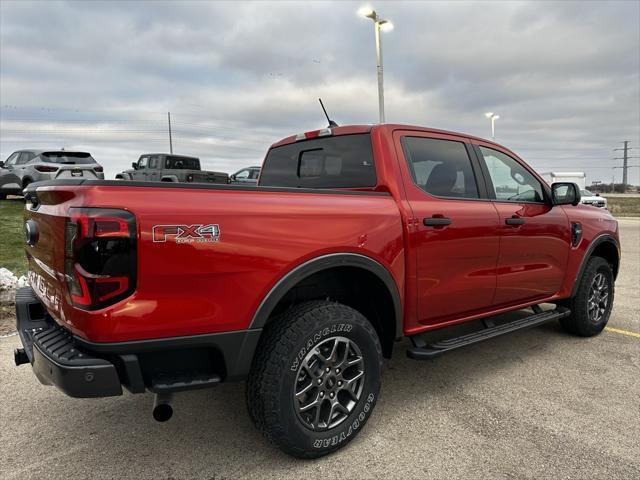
(76, 173)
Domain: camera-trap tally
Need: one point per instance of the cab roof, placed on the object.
(354, 129)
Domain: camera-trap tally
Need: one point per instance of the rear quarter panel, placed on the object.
(195, 288)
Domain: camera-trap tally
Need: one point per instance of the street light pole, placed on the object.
(378, 24)
(493, 117)
(380, 72)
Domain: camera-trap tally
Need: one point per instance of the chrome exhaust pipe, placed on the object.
(162, 409)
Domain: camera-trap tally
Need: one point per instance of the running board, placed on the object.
(423, 351)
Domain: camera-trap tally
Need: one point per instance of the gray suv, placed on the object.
(27, 166)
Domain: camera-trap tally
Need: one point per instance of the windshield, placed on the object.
(79, 158)
(586, 193)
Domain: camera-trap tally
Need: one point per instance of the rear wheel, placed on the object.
(315, 378)
(3, 196)
(591, 306)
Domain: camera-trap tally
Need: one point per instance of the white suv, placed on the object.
(589, 198)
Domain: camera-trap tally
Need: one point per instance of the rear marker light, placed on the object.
(98, 169)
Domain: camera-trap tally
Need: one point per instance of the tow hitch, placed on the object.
(20, 356)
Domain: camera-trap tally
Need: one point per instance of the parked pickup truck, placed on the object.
(161, 167)
(356, 237)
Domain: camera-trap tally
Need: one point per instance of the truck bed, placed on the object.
(214, 286)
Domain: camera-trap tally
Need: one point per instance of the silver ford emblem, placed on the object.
(31, 234)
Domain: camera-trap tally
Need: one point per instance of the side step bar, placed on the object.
(423, 351)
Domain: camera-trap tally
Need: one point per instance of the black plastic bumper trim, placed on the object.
(56, 359)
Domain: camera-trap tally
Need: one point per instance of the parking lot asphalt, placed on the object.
(533, 404)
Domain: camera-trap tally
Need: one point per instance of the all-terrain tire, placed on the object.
(595, 283)
(307, 344)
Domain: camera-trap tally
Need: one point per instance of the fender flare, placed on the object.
(324, 262)
(587, 255)
(169, 178)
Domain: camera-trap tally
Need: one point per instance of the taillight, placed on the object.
(98, 168)
(45, 168)
(100, 256)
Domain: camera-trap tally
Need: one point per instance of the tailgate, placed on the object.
(44, 229)
(209, 177)
(79, 171)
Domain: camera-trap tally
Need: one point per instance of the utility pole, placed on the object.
(170, 139)
(625, 157)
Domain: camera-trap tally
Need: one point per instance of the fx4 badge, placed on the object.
(186, 233)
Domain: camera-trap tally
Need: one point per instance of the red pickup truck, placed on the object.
(356, 237)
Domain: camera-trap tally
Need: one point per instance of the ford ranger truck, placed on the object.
(355, 237)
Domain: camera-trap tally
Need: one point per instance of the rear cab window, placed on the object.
(78, 158)
(343, 161)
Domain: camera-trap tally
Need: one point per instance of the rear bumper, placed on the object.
(55, 356)
(87, 369)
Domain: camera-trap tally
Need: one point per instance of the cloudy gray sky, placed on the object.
(237, 76)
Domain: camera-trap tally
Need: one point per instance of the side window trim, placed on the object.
(481, 182)
(491, 188)
(475, 168)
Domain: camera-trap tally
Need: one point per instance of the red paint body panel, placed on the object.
(474, 268)
(189, 289)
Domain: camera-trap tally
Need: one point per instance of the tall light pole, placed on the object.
(493, 117)
(378, 24)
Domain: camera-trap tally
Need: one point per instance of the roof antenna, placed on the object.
(331, 122)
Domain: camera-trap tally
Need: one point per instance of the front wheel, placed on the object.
(315, 378)
(591, 306)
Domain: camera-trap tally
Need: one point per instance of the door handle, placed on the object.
(515, 221)
(436, 222)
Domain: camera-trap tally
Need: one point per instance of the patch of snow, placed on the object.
(9, 281)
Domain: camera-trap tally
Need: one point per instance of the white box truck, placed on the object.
(576, 177)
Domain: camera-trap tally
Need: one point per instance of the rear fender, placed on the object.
(295, 276)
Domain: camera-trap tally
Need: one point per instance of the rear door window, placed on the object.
(25, 157)
(440, 167)
(344, 161)
(182, 163)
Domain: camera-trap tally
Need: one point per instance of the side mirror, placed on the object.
(1, 164)
(135, 165)
(565, 193)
